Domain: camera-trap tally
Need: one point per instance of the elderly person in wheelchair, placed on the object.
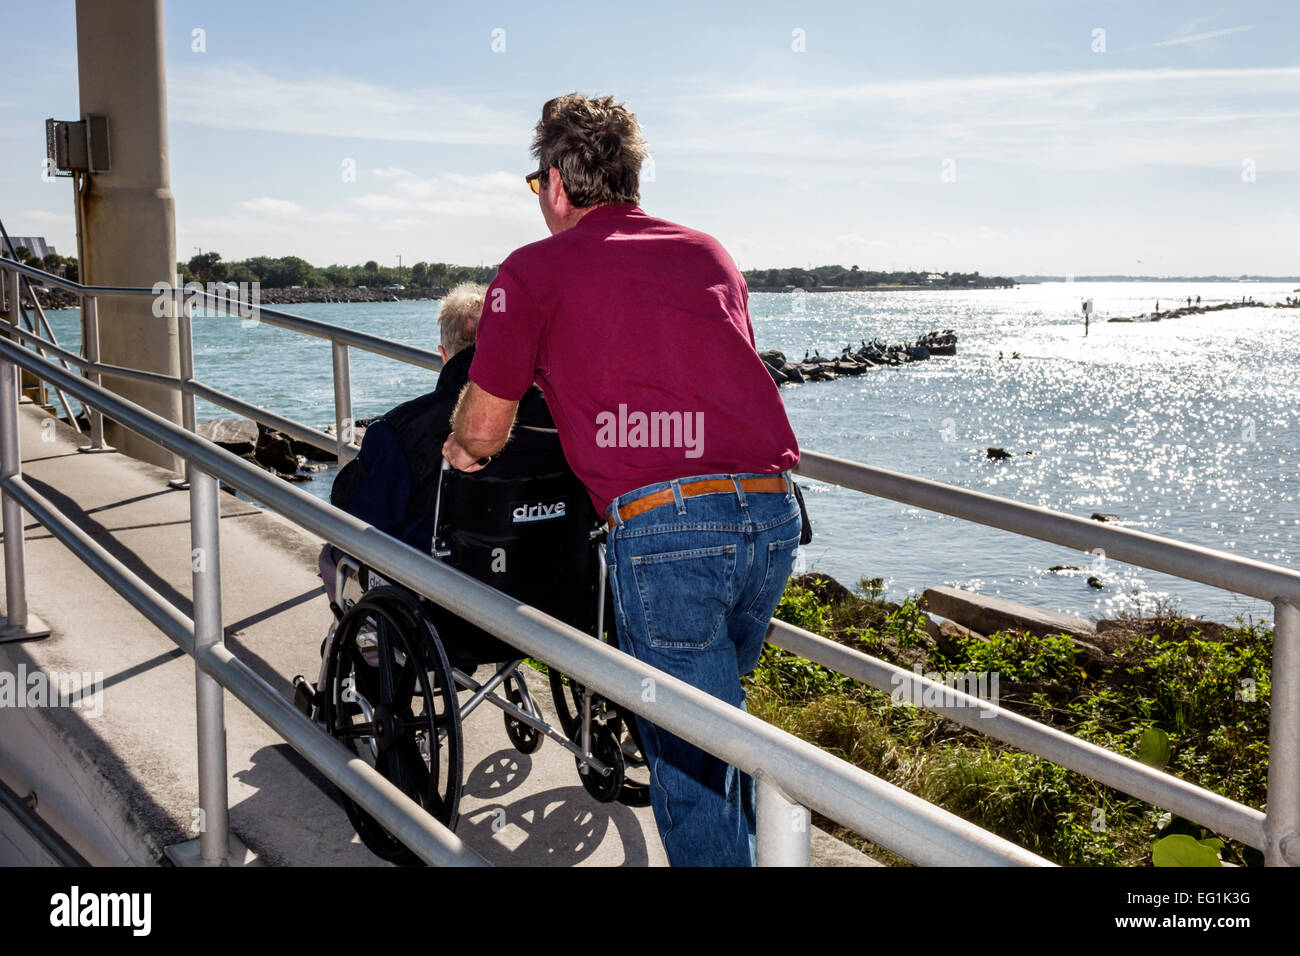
(394, 664)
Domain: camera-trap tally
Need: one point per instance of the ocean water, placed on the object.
(1188, 428)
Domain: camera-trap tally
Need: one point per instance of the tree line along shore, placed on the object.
(291, 279)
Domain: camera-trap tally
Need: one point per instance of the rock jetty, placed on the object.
(816, 367)
(279, 454)
(1178, 313)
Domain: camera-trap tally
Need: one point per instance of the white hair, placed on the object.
(458, 318)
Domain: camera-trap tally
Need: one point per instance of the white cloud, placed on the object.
(1112, 117)
(1109, 119)
(490, 182)
(265, 205)
(923, 91)
(846, 167)
(239, 96)
(44, 215)
(1198, 37)
(492, 195)
(373, 202)
(331, 218)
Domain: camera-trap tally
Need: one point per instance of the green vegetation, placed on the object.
(1203, 687)
(288, 271)
(65, 266)
(838, 277)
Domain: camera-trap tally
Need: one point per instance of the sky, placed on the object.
(1043, 137)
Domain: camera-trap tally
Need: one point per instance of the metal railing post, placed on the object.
(12, 278)
(185, 327)
(90, 318)
(343, 424)
(783, 830)
(1282, 820)
(185, 332)
(205, 559)
(11, 466)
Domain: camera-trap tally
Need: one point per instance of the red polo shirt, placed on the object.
(637, 330)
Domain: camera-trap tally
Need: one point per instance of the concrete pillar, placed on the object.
(130, 223)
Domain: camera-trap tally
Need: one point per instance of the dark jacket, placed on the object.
(393, 482)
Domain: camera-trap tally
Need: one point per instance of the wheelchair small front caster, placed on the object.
(605, 787)
(305, 698)
(526, 738)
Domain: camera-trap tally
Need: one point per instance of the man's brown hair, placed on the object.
(597, 146)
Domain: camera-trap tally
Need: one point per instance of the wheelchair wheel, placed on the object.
(635, 794)
(527, 739)
(390, 698)
(567, 695)
(604, 747)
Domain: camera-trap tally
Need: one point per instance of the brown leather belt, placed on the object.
(690, 489)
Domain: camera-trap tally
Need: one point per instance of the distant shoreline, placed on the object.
(889, 288)
(1037, 280)
(62, 299)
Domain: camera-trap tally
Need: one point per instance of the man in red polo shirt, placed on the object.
(637, 330)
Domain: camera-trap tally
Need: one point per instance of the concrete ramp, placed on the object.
(116, 772)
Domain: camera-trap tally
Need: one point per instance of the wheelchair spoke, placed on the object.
(406, 686)
(363, 675)
(409, 725)
(396, 769)
(356, 730)
(387, 682)
(416, 769)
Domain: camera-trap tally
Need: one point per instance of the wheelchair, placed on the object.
(397, 675)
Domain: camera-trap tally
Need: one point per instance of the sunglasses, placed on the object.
(534, 181)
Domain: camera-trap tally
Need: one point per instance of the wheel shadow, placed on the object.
(561, 826)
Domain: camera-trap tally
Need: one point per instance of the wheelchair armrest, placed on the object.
(345, 565)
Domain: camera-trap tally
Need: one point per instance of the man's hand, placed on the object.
(458, 457)
(480, 427)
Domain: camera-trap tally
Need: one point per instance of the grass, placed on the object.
(1205, 685)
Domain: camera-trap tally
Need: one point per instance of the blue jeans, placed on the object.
(695, 582)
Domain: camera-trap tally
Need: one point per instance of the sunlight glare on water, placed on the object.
(1185, 428)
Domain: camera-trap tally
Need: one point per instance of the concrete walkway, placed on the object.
(122, 784)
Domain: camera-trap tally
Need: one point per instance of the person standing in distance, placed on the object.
(638, 332)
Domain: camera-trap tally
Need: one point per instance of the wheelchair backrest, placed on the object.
(529, 536)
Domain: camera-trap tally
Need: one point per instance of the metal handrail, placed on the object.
(1220, 569)
(794, 768)
(432, 842)
(1278, 832)
(275, 317)
(46, 837)
(12, 252)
